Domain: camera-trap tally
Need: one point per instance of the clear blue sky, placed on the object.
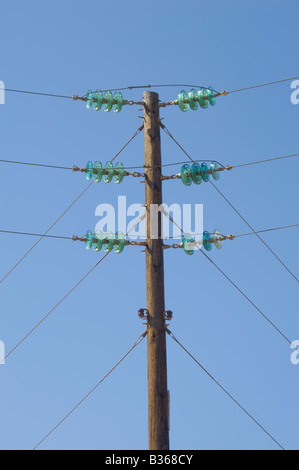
(71, 46)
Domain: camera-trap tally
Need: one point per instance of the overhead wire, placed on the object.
(224, 390)
(68, 208)
(67, 295)
(61, 237)
(58, 237)
(251, 228)
(54, 308)
(232, 206)
(139, 340)
(241, 292)
(36, 164)
(266, 230)
(263, 85)
(265, 161)
(250, 301)
(160, 166)
(136, 87)
(51, 95)
(46, 232)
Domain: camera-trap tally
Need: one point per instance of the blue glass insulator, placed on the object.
(89, 99)
(108, 242)
(203, 170)
(89, 173)
(188, 244)
(196, 173)
(117, 107)
(110, 169)
(215, 171)
(109, 101)
(193, 100)
(211, 96)
(183, 101)
(89, 240)
(119, 248)
(203, 98)
(98, 241)
(99, 172)
(218, 239)
(206, 241)
(121, 173)
(98, 100)
(186, 175)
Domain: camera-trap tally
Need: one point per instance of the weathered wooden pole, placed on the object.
(158, 402)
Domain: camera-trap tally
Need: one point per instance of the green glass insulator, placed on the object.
(211, 96)
(193, 100)
(117, 107)
(108, 106)
(98, 241)
(121, 173)
(108, 242)
(203, 98)
(89, 101)
(215, 171)
(99, 100)
(188, 244)
(89, 173)
(218, 239)
(119, 248)
(110, 169)
(186, 175)
(206, 241)
(89, 240)
(196, 173)
(99, 174)
(203, 170)
(183, 101)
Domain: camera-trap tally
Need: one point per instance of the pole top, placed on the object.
(152, 96)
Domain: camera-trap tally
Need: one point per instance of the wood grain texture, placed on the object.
(157, 362)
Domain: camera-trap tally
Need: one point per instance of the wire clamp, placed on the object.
(143, 313)
(168, 315)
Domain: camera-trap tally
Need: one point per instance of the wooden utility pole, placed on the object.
(158, 402)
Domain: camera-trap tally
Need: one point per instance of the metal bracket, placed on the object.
(168, 315)
(143, 313)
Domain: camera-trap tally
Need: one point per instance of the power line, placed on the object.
(232, 206)
(251, 228)
(267, 230)
(136, 87)
(93, 389)
(36, 164)
(54, 308)
(250, 301)
(61, 237)
(58, 237)
(233, 166)
(241, 292)
(265, 161)
(68, 208)
(162, 166)
(48, 230)
(67, 295)
(224, 390)
(240, 235)
(263, 85)
(125, 168)
(36, 93)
